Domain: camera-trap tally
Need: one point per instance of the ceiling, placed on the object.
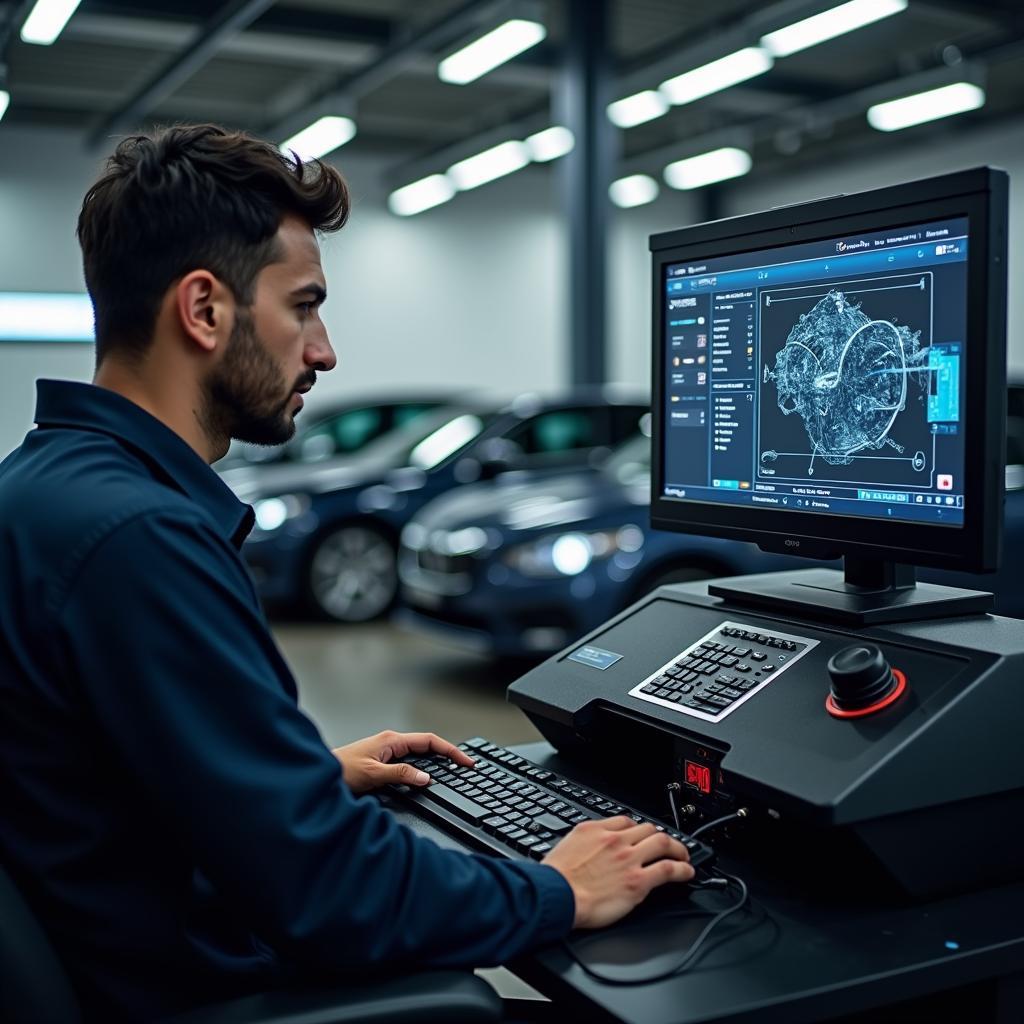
(376, 60)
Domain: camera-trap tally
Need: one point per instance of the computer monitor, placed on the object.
(830, 380)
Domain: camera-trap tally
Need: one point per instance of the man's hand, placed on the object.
(613, 863)
(366, 765)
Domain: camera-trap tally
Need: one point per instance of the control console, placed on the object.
(884, 740)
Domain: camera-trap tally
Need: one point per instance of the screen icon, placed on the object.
(945, 481)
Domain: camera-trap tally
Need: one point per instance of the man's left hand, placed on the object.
(366, 764)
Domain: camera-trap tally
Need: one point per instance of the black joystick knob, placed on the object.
(861, 678)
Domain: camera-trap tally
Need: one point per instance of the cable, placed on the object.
(673, 787)
(741, 813)
(690, 954)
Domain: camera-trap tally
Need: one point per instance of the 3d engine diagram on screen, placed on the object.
(851, 379)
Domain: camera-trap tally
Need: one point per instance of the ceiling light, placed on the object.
(42, 316)
(828, 25)
(490, 51)
(718, 75)
(550, 144)
(5, 101)
(638, 108)
(47, 20)
(320, 138)
(634, 190)
(490, 164)
(706, 169)
(926, 106)
(421, 195)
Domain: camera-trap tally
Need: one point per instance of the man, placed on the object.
(170, 814)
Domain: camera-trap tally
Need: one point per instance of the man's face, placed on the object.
(276, 345)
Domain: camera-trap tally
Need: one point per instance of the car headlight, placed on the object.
(273, 513)
(569, 554)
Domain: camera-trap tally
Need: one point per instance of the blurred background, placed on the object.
(468, 489)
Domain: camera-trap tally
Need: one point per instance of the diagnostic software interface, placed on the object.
(821, 377)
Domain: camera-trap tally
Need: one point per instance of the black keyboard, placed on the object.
(513, 807)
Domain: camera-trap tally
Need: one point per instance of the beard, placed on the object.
(245, 398)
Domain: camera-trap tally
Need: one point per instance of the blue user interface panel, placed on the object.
(821, 377)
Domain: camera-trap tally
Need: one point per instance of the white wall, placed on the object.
(470, 295)
(467, 296)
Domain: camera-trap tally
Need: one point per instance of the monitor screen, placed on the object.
(824, 377)
(830, 378)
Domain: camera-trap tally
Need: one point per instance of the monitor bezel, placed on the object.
(981, 196)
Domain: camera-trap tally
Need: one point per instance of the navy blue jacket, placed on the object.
(172, 816)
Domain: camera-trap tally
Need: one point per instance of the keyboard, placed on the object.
(512, 807)
(722, 670)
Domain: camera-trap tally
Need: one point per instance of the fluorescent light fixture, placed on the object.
(926, 106)
(490, 164)
(490, 51)
(421, 195)
(320, 138)
(706, 169)
(638, 108)
(550, 144)
(5, 101)
(634, 190)
(46, 20)
(716, 76)
(45, 316)
(828, 25)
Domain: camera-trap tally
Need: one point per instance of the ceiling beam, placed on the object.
(395, 58)
(232, 18)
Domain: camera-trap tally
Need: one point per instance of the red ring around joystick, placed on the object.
(836, 712)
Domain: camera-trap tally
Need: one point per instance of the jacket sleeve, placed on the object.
(190, 692)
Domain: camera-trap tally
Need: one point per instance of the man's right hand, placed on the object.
(613, 863)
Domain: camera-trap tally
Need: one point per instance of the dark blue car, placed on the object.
(523, 568)
(326, 537)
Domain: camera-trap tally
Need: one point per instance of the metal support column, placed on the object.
(587, 173)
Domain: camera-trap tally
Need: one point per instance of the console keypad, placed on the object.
(722, 670)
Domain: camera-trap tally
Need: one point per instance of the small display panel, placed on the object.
(822, 377)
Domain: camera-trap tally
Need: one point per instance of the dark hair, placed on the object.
(184, 198)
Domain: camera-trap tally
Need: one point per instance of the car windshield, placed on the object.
(630, 463)
(429, 439)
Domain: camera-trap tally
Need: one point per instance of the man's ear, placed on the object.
(206, 309)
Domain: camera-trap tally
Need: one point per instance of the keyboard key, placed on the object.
(717, 699)
(552, 824)
(455, 802)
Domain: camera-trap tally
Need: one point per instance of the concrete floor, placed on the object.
(357, 680)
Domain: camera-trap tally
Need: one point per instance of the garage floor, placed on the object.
(357, 680)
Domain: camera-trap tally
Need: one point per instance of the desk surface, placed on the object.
(786, 959)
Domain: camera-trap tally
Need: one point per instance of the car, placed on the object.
(326, 537)
(337, 430)
(521, 568)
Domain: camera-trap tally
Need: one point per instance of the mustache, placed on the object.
(308, 378)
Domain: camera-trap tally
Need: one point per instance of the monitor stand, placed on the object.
(866, 592)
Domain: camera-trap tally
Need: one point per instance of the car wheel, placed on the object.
(352, 575)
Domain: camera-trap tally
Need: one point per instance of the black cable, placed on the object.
(695, 947)
(741, 813)
(673, 787)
